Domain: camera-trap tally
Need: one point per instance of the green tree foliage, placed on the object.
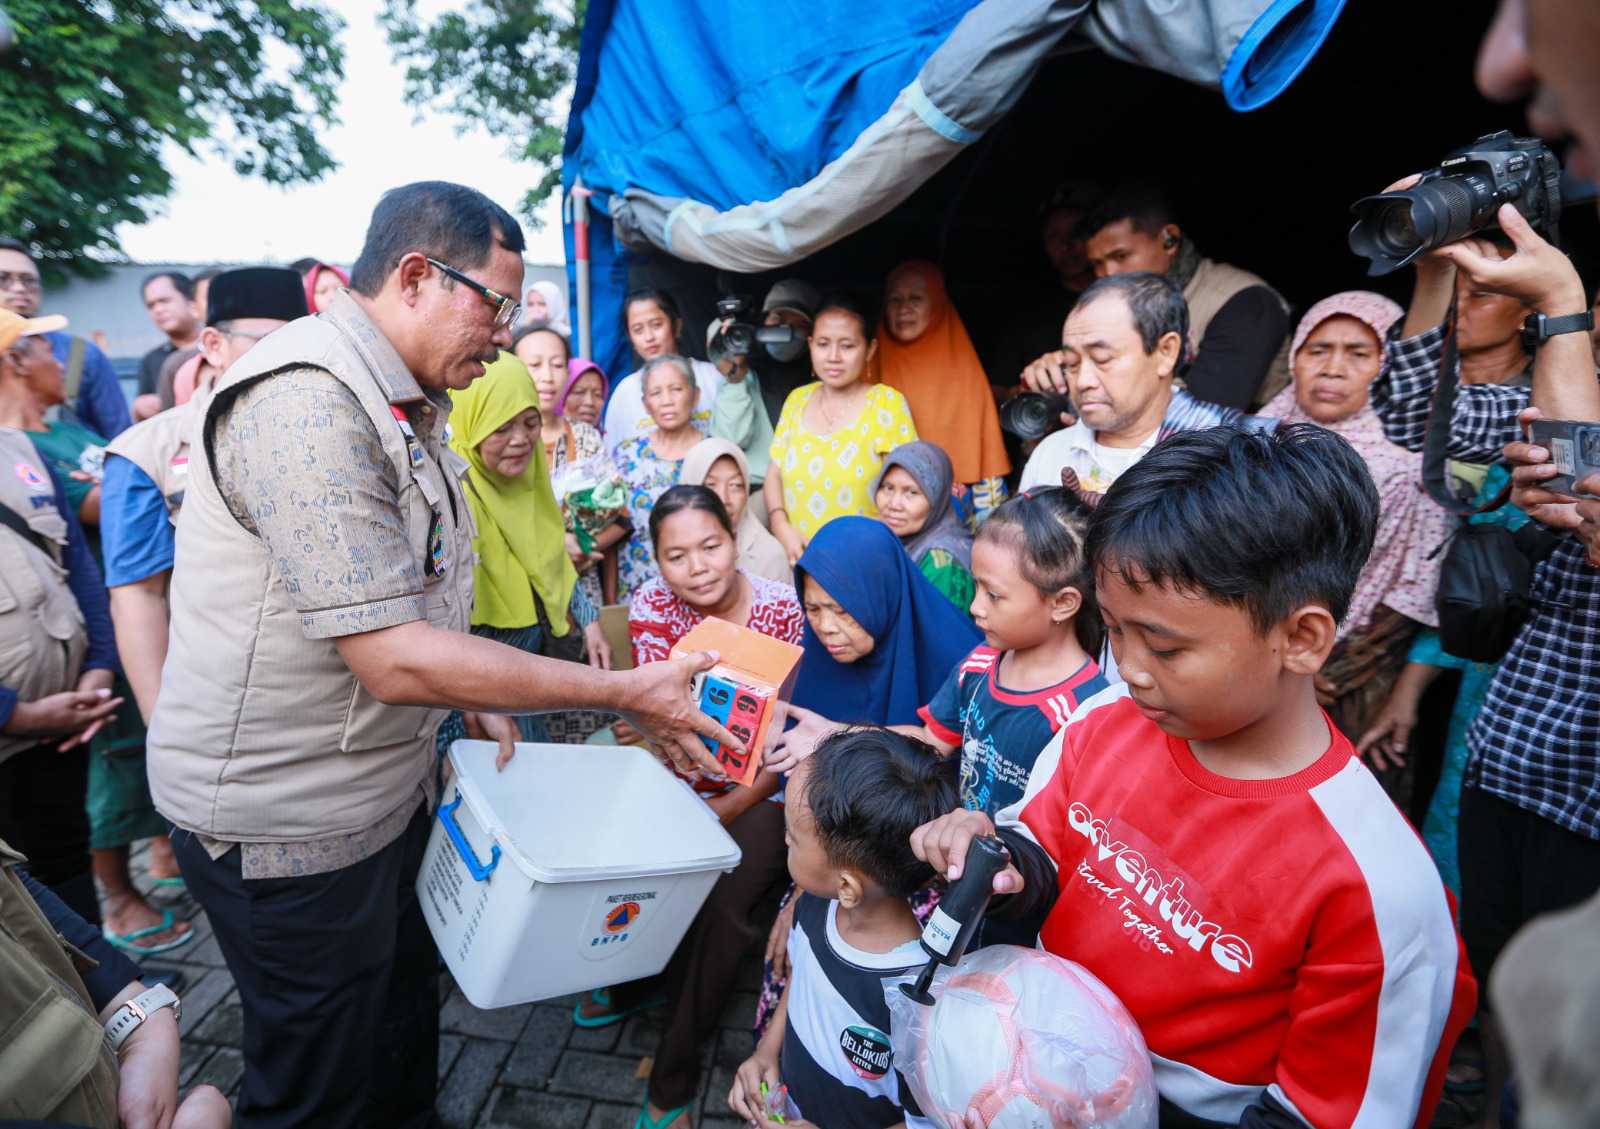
(95, 89)
(501, 64)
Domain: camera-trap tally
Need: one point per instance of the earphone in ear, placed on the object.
(1169, 241)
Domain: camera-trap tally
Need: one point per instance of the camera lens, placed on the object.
(1396, 231)
(1032, 415)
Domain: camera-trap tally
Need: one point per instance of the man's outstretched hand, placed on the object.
(658, 705)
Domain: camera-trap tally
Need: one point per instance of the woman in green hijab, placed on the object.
(525, 590)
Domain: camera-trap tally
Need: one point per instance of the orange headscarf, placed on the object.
(941, 378)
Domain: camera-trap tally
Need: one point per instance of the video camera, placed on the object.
(1461, 196)
(739, 337)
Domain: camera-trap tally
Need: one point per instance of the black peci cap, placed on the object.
(256, 292)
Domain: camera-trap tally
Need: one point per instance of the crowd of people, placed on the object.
(1184, 656)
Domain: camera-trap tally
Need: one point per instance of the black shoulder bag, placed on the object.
(15, 522)
(1486, 581)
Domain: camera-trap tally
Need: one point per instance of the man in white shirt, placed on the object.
(1120, 346)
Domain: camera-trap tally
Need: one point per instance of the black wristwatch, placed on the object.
(1538, 328)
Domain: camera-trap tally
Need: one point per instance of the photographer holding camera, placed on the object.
(761, 366)
(1530, 805)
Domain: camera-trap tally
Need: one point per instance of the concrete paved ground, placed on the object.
(524, 1067)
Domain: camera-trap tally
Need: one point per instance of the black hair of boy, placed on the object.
(1047, 528)
(1144, 204)
(868, 790)
(1264, 522)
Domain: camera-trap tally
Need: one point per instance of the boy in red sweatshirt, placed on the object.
(1203, 839)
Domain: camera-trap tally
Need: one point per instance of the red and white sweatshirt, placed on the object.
(1286, 946)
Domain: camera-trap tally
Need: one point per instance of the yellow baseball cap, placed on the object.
(14, 326)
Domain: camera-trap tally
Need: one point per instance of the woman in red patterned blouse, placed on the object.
(697, 553)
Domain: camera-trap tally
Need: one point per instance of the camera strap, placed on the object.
(1436, 440)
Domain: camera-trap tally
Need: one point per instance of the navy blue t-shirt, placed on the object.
(1000, 732)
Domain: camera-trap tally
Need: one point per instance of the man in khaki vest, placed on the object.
(1238, 348)
(85, 1043)
(139, 498)
(320, 602)
(56, 650)
(147, 468)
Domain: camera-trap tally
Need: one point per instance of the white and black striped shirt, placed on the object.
(837, 1058)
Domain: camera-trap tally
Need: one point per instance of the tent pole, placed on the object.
(580, 243)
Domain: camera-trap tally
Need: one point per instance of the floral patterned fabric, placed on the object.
(658, 617)
(579, 442)
(648, 476)
(829, 476)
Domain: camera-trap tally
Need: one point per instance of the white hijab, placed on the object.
(555, 299)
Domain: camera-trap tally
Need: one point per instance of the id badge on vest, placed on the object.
(438, 560)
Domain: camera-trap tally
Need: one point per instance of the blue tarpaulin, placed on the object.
(748, 136)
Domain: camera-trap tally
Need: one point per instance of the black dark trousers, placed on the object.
(42, 814)
(1515, 865)
(338, 978)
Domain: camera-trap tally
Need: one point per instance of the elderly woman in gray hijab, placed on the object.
(913, 497)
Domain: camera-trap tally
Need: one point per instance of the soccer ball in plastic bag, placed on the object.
(1029, 1040)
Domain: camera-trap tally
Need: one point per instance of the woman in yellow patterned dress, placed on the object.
(833, 434)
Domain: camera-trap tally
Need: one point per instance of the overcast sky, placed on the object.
(216, 215)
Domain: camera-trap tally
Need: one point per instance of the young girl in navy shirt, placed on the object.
(1035, 607)
(1010, 695)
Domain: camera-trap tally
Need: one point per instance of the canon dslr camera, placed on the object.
(1458, 198)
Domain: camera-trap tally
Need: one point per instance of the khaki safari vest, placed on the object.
(54, 1062)
(159, 446)
(1208, 291)
(261, 734)
(42, 635)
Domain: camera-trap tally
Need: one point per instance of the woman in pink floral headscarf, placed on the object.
(1338, 351)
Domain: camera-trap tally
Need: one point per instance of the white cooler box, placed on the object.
(578, 867)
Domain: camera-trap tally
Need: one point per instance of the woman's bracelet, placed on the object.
(774, 513)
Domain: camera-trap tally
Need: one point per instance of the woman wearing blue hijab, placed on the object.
(879, 639)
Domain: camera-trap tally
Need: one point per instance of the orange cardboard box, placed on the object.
(762, 665)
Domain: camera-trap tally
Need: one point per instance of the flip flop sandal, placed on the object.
(645, 1121)
(125, 941)
(602, 996)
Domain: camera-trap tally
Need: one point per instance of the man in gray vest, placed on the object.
(56, 649)
(142, 487)
(1237, 354)
(320, 602)
(147, 468)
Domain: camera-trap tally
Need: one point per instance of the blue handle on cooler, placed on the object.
(447, 819)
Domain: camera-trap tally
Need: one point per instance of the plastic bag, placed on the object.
(592, 496)
(1029, 1040)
